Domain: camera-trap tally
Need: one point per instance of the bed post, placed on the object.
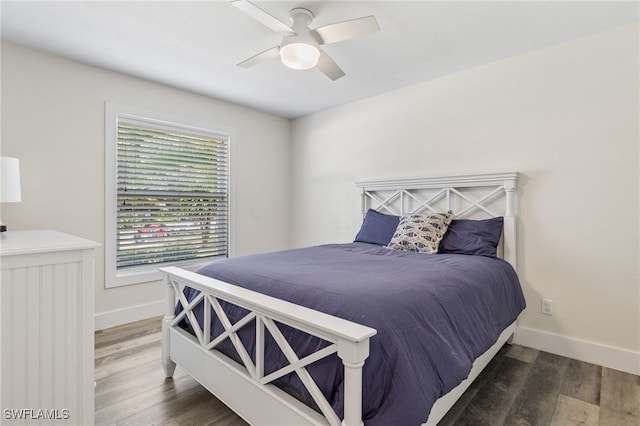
(510, 223)
(353, 355)
(170, 297)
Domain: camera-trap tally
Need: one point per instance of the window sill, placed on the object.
(147, 274)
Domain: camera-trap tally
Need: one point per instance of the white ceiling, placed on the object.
(196, 45)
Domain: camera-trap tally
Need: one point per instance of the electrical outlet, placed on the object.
(547, 306)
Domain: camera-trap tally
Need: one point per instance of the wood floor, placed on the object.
(521, 386)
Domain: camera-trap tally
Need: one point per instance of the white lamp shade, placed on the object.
(10, 180)
(299, 56)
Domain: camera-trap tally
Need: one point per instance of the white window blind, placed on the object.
(172, 193)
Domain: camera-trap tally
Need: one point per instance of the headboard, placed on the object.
(468, 197)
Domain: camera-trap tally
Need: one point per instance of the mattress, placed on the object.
(434, 315)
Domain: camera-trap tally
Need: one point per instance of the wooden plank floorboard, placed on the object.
(138, 356)
(574, 412)
(124, 385)
(119, 348)
(169, 403)
(131, 331)
(620, 398)
(493, 399)
(583, 381)
(537, 398)
(521, 386)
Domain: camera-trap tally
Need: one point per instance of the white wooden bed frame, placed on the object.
(246, 389)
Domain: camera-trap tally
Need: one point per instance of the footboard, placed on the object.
(245, 388)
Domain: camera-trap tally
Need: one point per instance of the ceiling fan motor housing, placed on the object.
(300, 50)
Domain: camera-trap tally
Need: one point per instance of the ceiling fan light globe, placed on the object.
(299, 56)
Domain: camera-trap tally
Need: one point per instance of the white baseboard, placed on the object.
(130, 314)
(594, 353)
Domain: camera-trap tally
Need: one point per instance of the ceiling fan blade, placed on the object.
(328, 67)
(261, 16)
(274, 52)
(345, 30)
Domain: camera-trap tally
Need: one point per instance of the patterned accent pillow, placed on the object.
(420, 232)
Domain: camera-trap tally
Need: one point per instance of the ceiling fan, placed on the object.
(300, 46)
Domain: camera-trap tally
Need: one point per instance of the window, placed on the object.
(170, 190)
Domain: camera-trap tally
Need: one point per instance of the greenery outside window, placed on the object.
(171, 196)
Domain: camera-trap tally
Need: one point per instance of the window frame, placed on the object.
(150, 273)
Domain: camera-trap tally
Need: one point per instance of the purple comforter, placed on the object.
(434, 315)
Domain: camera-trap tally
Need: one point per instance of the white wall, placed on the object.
(53, 121)
(566, 118)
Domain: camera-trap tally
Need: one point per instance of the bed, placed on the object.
(354, 333)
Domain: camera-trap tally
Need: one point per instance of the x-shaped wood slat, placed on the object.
(231, 333)
(298, 365)
(256, 370)
(187, 310)
(384, 204)
(310, 359)
(477, 204)
(427, 203)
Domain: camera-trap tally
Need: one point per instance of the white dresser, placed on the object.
(47, 328)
